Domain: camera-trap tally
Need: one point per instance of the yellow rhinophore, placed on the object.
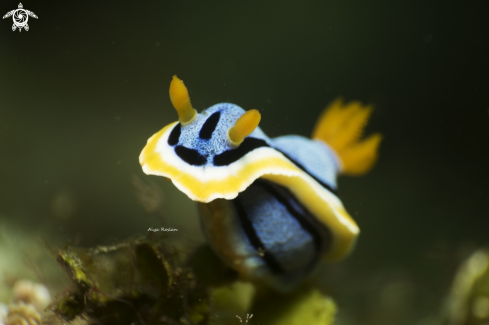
(246, 124)
(181, 101)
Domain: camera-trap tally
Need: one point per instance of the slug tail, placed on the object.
(341, 127)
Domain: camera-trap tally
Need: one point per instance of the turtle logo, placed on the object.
(20, 17)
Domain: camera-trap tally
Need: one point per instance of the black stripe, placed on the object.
(175, 135)
(190, 156)
(209, 126)
(323, 184)
(304, 217)
(228, 157)
(250, 232)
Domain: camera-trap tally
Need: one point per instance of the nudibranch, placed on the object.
(268, 207)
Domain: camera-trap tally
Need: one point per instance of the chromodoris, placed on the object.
(269, 206)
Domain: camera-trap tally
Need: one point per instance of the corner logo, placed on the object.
(20, 17)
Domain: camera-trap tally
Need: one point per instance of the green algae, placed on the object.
(142, 281)
(134, 282)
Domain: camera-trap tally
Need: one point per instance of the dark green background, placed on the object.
(84, 88)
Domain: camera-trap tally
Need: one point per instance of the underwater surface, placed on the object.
(87, 84)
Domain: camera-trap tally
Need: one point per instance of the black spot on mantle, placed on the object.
(175, 135)
(228, 157)
(190, 156)
(209, 126)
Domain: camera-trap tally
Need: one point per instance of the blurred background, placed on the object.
(87, 85)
